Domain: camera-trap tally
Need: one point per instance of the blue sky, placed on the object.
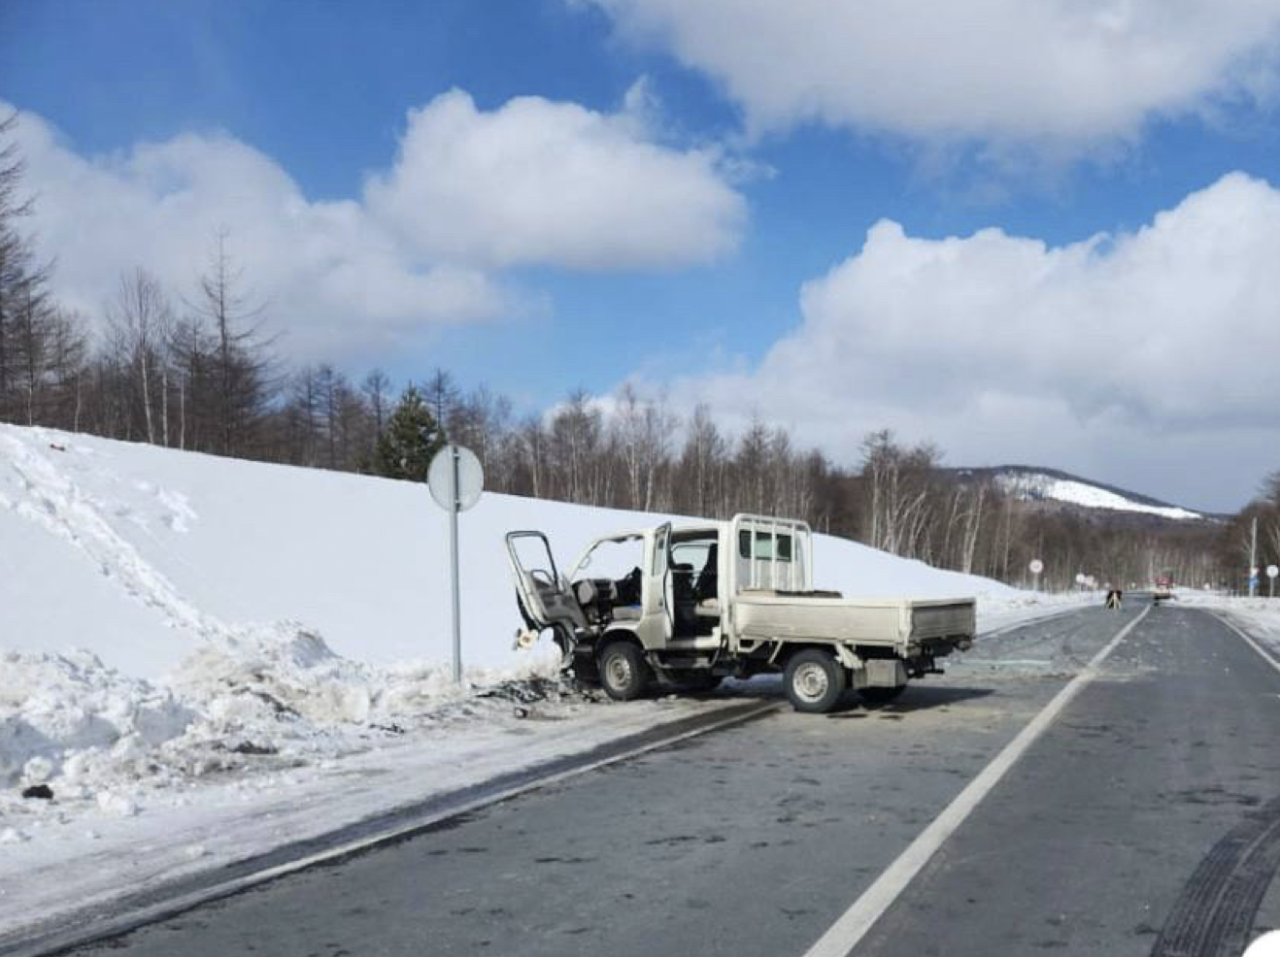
(322, 92)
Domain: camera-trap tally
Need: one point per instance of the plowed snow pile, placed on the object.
(168, 616)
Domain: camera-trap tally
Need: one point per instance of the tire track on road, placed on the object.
(1214, 915)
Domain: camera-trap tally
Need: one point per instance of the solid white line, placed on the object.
(1266, 655)
(855, 922)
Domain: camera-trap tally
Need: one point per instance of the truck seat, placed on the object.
(626, 613)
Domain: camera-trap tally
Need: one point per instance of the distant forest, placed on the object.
(197, 369)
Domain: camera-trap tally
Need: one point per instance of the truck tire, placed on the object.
(624, 674)
(879, 696)
(815, 681)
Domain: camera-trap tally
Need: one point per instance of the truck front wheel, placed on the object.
(624, 674)
(815, 681)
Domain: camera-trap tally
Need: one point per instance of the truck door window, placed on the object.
(534, 556)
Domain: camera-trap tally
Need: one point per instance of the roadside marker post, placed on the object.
(456, 480)
(1036, 567)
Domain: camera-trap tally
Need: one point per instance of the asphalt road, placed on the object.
(1141, 822)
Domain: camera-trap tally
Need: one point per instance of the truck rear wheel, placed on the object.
(624, 674)
(815, 681)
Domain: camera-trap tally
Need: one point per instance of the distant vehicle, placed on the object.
(695, 604)
(1163, 590)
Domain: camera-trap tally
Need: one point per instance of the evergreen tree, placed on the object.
(410, 440)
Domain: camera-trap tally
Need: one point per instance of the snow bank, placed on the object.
(57, 711)
(270, 699)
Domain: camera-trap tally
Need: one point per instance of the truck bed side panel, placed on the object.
(892, 623)
(817, 619)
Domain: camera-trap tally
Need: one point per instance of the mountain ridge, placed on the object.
(1070, 491)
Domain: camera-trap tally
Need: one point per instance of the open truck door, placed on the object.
(543, 594)
(661, 600)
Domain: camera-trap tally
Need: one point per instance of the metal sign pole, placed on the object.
(456, 480)
(455, 504)
(1253, 560)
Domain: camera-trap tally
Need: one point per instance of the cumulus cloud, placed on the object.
(1041, 71)
(327, 269)
(535, 182)
(542, 182)
(1126, 355)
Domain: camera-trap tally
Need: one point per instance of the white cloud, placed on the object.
(543, 182)
(1061, 73)
(1123, 355)
(329, 272)
(550, 183)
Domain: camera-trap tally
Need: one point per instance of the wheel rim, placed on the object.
(618, 670)
(811, 681)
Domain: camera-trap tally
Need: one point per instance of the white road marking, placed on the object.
(855, 922)
(1266, 655)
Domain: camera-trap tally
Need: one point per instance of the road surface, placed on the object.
(1143, 820)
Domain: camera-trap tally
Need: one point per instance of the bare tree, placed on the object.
(377, 391)
(241, 373)
(441, 393)
(141, 323)
(702, 464)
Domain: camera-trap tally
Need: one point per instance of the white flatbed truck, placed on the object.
(732, 598)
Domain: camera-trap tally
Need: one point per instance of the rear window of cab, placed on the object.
(763, 542)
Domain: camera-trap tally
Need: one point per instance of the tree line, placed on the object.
(1238, 541)
(198, 369)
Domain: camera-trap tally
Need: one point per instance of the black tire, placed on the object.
(879, 696)
(815, 681)
(624, 674)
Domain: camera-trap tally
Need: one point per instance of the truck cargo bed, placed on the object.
(760, 614)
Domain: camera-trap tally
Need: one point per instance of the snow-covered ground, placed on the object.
(1041, 486)
(202, 657)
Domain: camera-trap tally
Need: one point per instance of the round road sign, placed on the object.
(1081, 578)
(1036, 566)
(470, 478)
(1272, 571)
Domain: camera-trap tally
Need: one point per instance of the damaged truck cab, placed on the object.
(691, 605)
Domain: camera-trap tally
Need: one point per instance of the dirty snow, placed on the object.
(195, 649)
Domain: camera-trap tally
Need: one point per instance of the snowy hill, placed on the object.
(1053, 486)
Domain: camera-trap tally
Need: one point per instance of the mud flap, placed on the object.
(886, 673)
